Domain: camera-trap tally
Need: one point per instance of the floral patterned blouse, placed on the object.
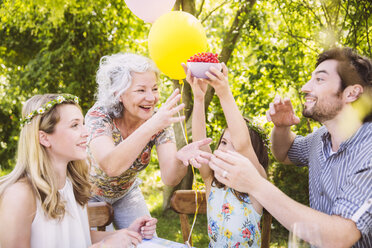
(100, 123)
(232, 223)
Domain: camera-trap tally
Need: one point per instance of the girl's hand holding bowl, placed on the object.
(200, 63)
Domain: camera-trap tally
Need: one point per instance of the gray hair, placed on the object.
(114, 78)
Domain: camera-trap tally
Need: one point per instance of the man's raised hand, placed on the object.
(281, 113)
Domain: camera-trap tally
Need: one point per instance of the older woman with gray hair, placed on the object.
(123, 127)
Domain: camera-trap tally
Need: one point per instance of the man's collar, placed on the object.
(365, 129)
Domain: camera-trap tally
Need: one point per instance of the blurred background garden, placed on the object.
(270, 48)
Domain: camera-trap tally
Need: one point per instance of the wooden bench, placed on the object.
(183, 203)
(100, 215)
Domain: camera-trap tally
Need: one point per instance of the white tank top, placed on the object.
(70, 232)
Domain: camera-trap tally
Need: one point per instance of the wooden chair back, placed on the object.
(100, 215)
(183, 202)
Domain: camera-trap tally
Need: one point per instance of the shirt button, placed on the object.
(322, 193)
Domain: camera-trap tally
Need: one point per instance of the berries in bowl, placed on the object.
(200, 63)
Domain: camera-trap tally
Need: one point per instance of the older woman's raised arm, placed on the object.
(114, 160)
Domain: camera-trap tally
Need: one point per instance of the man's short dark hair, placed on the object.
(352, 69)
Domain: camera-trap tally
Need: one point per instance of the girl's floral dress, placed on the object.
(232, 223)
(100, 123)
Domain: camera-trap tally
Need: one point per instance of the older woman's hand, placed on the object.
(145, 226)
(164, 117)
(191, 153)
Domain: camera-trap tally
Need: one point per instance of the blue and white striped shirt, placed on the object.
(341, 182)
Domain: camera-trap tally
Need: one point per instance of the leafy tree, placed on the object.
(43, 52)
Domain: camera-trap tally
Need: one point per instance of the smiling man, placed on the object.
(339, 155)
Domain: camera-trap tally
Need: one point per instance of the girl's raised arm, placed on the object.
(199, 88)
(237, 125)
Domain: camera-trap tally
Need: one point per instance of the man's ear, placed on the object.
(353, 92)
(43, 139)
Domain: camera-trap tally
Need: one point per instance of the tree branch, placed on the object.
(337, 13)
(346, 14)
(200, 9)
(188, 6)
(177, 5)
(326, 14)
(306, 5)
(210, 13)
(289, 32)
(298, 38)
(367, 32)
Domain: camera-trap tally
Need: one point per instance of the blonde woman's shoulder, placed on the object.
(17, 212)
(18, 198)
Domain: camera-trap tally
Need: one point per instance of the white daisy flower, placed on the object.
(60, 99)
(40, 110)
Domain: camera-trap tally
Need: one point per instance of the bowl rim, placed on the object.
(204, 62)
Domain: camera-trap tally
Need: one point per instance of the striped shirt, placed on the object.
(340, 182)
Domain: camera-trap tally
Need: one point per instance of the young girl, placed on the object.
(43, 200)
(233, 217)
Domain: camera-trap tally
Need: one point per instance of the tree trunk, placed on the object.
(186, 183)
(230, 39)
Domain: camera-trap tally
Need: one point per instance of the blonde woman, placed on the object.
(43, 200)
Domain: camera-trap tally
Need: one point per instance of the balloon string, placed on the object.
(195, 184)
(184, 121)
(183, 131)
(196, 213)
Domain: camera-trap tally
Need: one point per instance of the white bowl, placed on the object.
(198, 69)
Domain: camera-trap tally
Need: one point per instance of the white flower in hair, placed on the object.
(40, 110)
(76, 99)
(60, 99)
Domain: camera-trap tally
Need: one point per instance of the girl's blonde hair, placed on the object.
(34, 164)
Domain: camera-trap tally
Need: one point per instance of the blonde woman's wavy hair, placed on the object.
(34, 164)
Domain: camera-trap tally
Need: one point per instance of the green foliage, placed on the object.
(62, 55)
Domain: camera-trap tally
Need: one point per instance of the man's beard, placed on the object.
(325, 110)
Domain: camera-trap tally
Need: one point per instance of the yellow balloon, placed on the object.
(174, 38)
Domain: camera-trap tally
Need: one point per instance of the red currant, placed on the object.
(204, 57)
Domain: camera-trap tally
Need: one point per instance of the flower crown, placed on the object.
(261, 133)
(47, 106)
